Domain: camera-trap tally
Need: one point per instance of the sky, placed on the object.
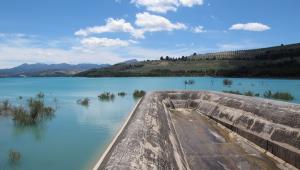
(112, 31)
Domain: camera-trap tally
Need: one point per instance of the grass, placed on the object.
(248, 93)
(36, 112)
(267, 94)
(106, 96)
(84, 102)
(227, 82)
(138, 94)
(122, 94)
(14, 156)
(188, 82)
(5, 106)
(285, 96)
(232, 92)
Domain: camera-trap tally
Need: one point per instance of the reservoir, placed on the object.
(77, 136)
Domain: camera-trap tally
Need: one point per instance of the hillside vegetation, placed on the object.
(279, 61)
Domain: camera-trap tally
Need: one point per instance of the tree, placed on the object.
(161, 58)
(167, 58)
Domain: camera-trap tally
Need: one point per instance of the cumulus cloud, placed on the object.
(103, 42)
(153, 23)
(144, 22)
(190, 3)
(198, 29)
(250, 27)
(112, 25)
(163, 6)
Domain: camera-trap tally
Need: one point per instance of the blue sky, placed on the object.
(110, 31)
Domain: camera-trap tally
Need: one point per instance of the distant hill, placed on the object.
(278, 61)
(34, 70)
(129, 61)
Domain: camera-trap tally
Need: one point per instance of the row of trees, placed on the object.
(167, 58)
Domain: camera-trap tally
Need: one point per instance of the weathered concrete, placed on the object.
(179, 130)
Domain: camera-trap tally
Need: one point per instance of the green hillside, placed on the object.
(279, 61)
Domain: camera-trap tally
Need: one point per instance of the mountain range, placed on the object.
(51, 70)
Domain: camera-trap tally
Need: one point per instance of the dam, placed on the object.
(206, 130)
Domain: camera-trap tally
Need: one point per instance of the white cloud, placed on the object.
(112, 25)
(198, 29)
(163, 6)
(103, 42)
(190, 3)
(250, 27)
(145, 22)
(153, 23)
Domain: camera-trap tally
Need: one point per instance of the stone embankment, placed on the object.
(186, 130)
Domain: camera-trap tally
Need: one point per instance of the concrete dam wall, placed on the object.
(181, 130)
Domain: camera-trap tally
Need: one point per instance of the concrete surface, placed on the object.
(183, 130)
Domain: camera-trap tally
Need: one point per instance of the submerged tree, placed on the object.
(36, 111)
(138, 94)
(188, 82)
(278, 95)
(122, 94)
(227, 82)
(14, 156)
(84, 102)
(106, 96)
(5, 107)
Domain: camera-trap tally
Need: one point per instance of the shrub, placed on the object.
(122, 94)
(249, 93)
(14, 156)
(189, 82)
(268, 94)
(6, 105)
(283, 96)
(227, 82)
(233, 92)
(279, 96)
(138, 94)
(40, 95)
(84, 102)
(106, 96)
(36, 112)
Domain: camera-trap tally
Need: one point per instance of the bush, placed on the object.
(279, 96)
(249, 93)
(227, 82)
(14, 156)
(189, 82)
(40, 95)
(233, 92)
(84, 102)
(122, 94)
(138, 94)
(5, 106)
(36, 112)
(268, 94)
(106, 96)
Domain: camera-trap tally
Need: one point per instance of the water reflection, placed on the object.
(37, 131)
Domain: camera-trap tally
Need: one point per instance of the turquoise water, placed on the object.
(78, 135)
